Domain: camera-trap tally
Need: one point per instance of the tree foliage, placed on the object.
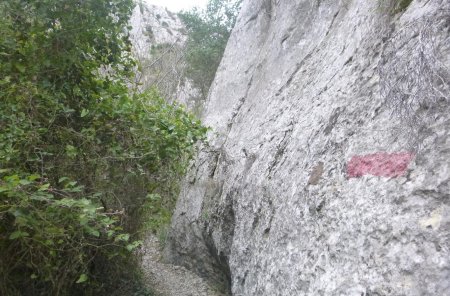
(82, 159)
(208, 34)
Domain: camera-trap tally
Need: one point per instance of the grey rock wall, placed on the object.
(310, 184)
(158, 38)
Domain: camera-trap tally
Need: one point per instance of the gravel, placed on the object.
(170, 280)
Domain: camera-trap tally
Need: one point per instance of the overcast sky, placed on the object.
(177, 5)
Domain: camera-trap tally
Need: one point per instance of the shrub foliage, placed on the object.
(208, 34)
(83, 161)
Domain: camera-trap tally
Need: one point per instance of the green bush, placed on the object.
(51, 234)
(208, 34)
(81, 157)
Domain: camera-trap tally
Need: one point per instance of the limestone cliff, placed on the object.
(158, 37)
(327, 170)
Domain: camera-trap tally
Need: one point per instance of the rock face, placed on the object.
(153, 25)
(310, 184)
(158, 37)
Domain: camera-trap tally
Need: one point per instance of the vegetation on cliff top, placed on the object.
(208, 33)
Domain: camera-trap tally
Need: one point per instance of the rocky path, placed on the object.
(169, 280)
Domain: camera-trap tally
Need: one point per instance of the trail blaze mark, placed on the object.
(380, 164)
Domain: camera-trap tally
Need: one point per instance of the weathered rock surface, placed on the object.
(158, 37)
(270, 205)
(152, 25)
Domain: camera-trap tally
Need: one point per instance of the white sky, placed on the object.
(177, 5)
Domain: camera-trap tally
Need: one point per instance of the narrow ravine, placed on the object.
(170, 280)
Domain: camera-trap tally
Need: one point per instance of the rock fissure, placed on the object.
(281, 147)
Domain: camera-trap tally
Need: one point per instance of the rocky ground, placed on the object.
(170, 280)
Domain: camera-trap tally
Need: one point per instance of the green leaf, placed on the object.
(62, 179)
(33, 177)
(18, 234)
(84, 112)
(20, 67)
(122, 237)
(75, 189)
(83, 277)
(71, 184)
(71, 151)
(68, 110)
(41, 196)
(49, 242)
(67, 202)
(84, 220)
(110, 233)
(133, 245)
(44, 187)
(92, 231)
(25, 182)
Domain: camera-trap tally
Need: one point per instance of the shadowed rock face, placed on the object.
(269, 205)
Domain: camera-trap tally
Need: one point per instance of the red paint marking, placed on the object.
(380, 164)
